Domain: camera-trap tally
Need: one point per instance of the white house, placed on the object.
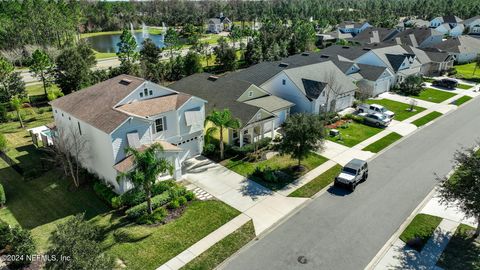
(463, 49)
(313, 88)
(127, 111)
(450, 19)
(448, 25)
(353, 27)
(473, 25)
(219, 24)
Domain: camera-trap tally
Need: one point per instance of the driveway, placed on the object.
(264, 206)
(341, 230)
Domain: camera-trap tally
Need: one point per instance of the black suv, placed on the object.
(446, 83)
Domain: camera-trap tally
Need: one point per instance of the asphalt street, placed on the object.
(341, 230)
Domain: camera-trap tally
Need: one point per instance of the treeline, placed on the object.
(55, 23)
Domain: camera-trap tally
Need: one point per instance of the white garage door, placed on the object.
(191, 147)
(381, 87)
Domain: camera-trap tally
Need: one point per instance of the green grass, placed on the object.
(430, 80)
(318, 183)
(421, 227)
(461, 100)
(41, 203)
(219, 252)
(100, 55)
(354, 134)
(466, 71)
(37, 89)
(148, 247)
(462, 252)
(464, 86)
(383, 142)
(151, 31)
(400, 109)
(427, 118)
(283, 163)
(433, 95)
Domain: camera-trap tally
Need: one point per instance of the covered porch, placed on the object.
(255, 131)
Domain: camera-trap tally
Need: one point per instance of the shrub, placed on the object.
(21, 245)
(3, 113)
(190, 196)
(209, 149)
(182, 200)
(141, 209)
(356, 118)
(3, 198)
(176, 192)
(107, 194)
(5, 234)
(157, 216)
(174, 204)
(3, 142)
(137, 195)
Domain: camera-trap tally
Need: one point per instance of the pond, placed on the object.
(108, 43)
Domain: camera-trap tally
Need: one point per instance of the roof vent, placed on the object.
(283, 64)
(305, 53)
(125, 81)
(367, 49)
(345, 47)
(212, 78)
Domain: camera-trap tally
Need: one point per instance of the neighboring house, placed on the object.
(418, 37)
(127, 111)
(463, 49)
(450, 19)
(412, 23)
(353, 27)
(332, 37)
(374, 35)
(472, 25)
(259, 112)
(434, 62)
(219, 24)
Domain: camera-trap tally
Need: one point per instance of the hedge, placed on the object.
(107, 194)
(3, 198)
(137, 195)
(142, 209)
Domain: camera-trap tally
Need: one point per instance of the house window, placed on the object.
(151, 92)
(284, 82)
(79, 128)
(160, 124)
(141, 95)
(145, 92)
(250, 93)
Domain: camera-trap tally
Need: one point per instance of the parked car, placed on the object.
(446, 83)
(375, 108)
(355, 172)
(376, 119)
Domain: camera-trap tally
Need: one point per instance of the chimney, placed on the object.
(212, 78)
(375, 37)
(283, 64)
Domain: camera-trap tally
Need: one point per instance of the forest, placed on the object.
(58, 23)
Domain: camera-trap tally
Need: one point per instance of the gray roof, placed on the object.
(451, 19)
(395, 60)
(420, 35)
(471, 20)
(437, 56)
(351, 24)
(313, 89)
(270, 103)
(460, 44)
(369, 35)
(348, 52)
(371, 73)
(95, 104)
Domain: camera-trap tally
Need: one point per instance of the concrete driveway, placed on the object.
(264, 206)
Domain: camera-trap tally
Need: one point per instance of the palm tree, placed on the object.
(16, 103)
(147, 167)
(221, 120)
(477, 64)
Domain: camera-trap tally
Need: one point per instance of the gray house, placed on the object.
(219, 24)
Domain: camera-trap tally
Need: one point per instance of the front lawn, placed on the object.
(401, 110)
(462, 252)
(464, 86)
(427, 118)
(461, 100)
(383, 142)
(466, 72)
(148, 247)
(283, 163)
(318, 183)
(433, 95)
(219, 252)
(37, 89)
(354, 133)
(420, 230)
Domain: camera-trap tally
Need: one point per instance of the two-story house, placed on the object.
(127, 111)
(472, 25)
(353, 27)
(219, 24)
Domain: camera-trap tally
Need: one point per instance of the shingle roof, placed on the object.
(155, 106)
(313, 89)
(94, 104)
(371, 73)
(460, 44)
(270, 103)
(369, 35)
(420, 35)
(220, 93)
(471, 20)
(348, 52)
(395, 60)
(451, 19)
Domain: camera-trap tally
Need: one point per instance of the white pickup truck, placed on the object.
(375, 108)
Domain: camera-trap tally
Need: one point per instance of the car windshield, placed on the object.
(382, 109)
(349, 171)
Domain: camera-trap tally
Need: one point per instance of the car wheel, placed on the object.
(352, 187)
(377, 124)
(360, 111)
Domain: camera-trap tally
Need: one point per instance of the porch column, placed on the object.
(252, 134)
(262, 131)
(241, 137)
(272, 132)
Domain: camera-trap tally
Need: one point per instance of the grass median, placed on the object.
(420, 230)
(383, 142)
(461, 100)
(318, 183)
(426, 119)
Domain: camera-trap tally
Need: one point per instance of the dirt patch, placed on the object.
(339, 123)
